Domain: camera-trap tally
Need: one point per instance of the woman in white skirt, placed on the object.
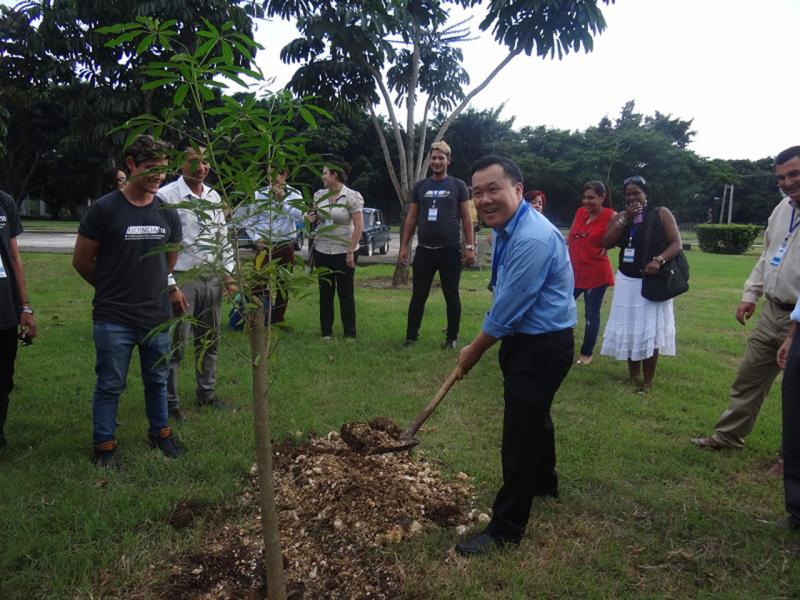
(638, 329)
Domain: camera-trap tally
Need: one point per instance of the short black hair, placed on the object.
(510, 168)
(146, 147)
(787, 155)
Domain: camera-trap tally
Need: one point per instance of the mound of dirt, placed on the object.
(378, 436)
(340, 513)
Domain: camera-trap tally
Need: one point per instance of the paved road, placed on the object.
(63, 243)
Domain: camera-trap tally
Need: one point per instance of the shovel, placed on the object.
(407, 440)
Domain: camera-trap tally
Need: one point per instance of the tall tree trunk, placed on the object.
(273, 556)
(400, 275)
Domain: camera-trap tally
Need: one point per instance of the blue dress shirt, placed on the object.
(534, 282)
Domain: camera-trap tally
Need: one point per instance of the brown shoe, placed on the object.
(776, 470)
(707, 443)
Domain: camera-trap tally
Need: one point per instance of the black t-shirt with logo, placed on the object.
(10, 227)
(438, 202)
(131, 277)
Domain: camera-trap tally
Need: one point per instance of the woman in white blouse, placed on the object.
(340, 223)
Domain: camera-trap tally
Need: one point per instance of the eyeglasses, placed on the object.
(634, 179)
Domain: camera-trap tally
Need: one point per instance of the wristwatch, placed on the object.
(469, 247)
(28, 310)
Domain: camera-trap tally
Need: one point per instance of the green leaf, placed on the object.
(204, 48)
(306, 115)
(145, 43)
(227, 53)
(180, 95)
(123, 39)
(211, 27)
(206, 93)
(116, 28)
(151, 85)
(243, 50)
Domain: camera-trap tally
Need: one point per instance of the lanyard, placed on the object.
(632, 233)
(500, 245)
(792, 226)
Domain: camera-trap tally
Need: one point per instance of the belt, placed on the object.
(541, 336)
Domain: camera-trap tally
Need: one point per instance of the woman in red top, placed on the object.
(590, 262)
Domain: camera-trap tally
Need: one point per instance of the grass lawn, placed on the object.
(50, 225)
(642, 514)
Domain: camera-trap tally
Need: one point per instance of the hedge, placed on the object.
(726, 239)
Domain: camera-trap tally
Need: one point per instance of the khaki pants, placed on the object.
(754, 378)
(205, 298)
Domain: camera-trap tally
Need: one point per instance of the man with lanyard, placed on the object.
(118, 253)
(777, 277)
(788, 173)
(195, 283)
(274, 227)
(16, 314)
(437, 204)
(533, 313)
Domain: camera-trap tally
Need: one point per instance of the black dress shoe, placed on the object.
(541, 491)
(478, 544)
(481, 543)
(787, 524)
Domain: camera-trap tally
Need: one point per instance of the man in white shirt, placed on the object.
(197, 280)
(274, 228)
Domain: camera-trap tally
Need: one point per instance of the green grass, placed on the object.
(49, 225)
(643, 514)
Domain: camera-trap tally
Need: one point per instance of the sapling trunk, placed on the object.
(273, 555)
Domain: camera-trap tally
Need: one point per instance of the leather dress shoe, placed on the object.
(707, 442)
(776, 470)
(787, 524)
(481, 544)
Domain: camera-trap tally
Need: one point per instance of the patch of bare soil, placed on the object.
(380, 283)
(340, 514)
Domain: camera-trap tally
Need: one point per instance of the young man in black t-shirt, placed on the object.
(437, 205)
(116, 252)
(16, 314)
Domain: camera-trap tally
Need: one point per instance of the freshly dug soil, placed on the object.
(379, 435)
(340, 514)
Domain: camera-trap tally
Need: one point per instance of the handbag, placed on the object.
(673, 277)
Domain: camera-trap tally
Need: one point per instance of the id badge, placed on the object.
(433, 213)
(3, 273)
(776, 260)
(328, 223)
(628, 254)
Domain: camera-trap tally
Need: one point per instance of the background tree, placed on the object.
(363, 52)
(64, 90)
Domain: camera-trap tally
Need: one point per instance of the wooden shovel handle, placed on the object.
(426, 412)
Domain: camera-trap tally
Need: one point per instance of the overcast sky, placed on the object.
(731, 65)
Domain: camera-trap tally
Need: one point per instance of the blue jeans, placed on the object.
(592, 301)
(114, 345)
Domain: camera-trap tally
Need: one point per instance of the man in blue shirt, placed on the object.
(533, 313)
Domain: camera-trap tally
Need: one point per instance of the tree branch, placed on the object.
(421, 160)
(385, 147)
(411, 102)
(398, 138)
(449, 120)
